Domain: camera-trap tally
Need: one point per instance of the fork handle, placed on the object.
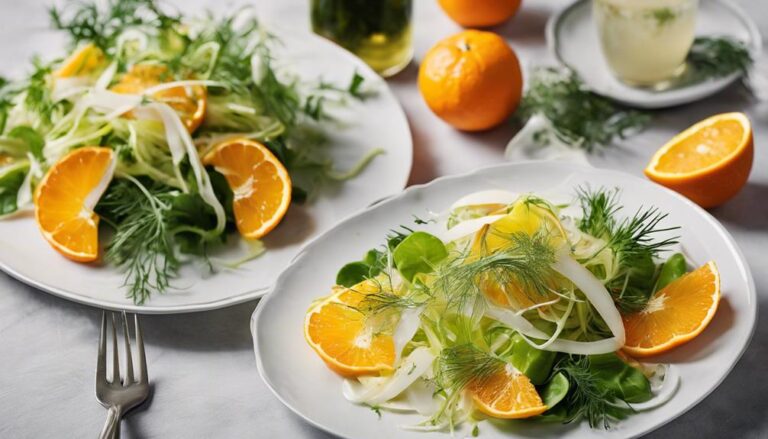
(111, 428)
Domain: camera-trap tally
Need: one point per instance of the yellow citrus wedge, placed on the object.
(339, 334)
(525, 217)
(260, 183)
(675, 315)
(65, 199)
(189, 102)
(507, 394)
(83, 62)
(709, 162)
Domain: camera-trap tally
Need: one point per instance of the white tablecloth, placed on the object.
(202, 365)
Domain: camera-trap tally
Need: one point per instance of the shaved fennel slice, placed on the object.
(106, 76)
(593, 289)
(419, 397)
(524, 146)
(528, 331)
(663, 389)
(409, 323)
(180, 144)
(494, 196)
(467, 227)
(410, 370)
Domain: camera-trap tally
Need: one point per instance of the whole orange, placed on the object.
(472, 80)
(480, 13)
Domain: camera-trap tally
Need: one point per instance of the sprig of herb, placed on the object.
(629, 237)
(580, 117)
(526, 262)
(587, 399)
(632, 241)
(89, 22)
(141, 245)
(463, 364)
(715, 57)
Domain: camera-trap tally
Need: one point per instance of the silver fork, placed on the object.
(120, 395)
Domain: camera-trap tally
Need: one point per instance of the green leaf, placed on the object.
(222, 191)
(635, 286)
(674, 268)
(555, 390)
(620, 379)
(534, 363)
(10, 183)
(31, 137)
(418, 253)
(352, 274)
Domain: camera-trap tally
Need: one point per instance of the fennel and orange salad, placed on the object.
(516, 307)
(169, 131)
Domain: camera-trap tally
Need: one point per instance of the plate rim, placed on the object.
(741, 262)
(252, 294)
(755, 46)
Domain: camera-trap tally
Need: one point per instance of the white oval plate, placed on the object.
(302, 382)
(379, 122)
(572, 38)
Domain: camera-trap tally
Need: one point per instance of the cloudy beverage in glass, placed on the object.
(645, 42)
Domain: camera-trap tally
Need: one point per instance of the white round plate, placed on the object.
(379, 122)
(572, 37)
(302, 382)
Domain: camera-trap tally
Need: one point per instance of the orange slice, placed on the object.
(339, 334)
(674, 315)
(507, 394)
(189, 102)
(709, 162)
(261, 184)
(83, 62)
(65, 199)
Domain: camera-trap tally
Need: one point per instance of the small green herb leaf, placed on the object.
(352, 274)
(534, 363)
(555, 390)
(418, 253)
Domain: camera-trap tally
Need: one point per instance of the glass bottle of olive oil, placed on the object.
(378, 31)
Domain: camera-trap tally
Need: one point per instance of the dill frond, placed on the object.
(587, 399)
(715, 57)
(141, 244)
(628, 238)
(580, 117)
(632, 241)
(90, 22)
(526, 262)
(463, 364)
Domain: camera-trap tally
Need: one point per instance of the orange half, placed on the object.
(675, 315)
(189, 102)
(507, 394)
(709, 162)
(66, 197)
(339, 334)
(260, 183)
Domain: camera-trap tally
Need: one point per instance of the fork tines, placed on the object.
(128, 377)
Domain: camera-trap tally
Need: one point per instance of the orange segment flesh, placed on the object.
(523, 218)
(83, 62)
(709, 162)
(65, 200)
(261, 184)
(339, 334)
(675, 315)
(507, 394)
(189, 102)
